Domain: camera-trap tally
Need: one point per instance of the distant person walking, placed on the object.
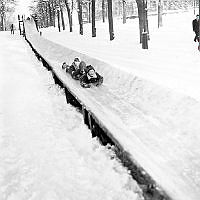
(195, 25)
(12, 29)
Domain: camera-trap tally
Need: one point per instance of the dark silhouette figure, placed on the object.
(195, 26)
(12, 29)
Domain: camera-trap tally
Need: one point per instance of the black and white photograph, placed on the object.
(99, 100)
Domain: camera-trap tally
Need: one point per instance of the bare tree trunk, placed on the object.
(2, 24)
(103, 10)
(5, 24)
(141, 17)
(124, 11)
(146, 19)
(110, 20)
(106, 10)
(53, 14)
(43, 18)
(159, 13)
(145, 32)
(93, 19)
(89, 12)
(46, 14)
(50, 14)
(69, 13)
(62, 17)
(80, 19)
(58, 15)
(119, 7)
(2, 15)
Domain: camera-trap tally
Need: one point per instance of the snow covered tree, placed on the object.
(47, 12)
(122, 9)
(7, 8)
(40, 13)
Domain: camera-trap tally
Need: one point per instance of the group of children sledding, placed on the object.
(86, 74)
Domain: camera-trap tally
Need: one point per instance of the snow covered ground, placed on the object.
(172, 59)
(152, 97)
(46, 152)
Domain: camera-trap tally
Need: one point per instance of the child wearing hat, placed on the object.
(73, 67)
(76, 74)
(91, 77)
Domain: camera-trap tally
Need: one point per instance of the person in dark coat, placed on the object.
(35, 18)
(12, 29)
(80, 71)
(90, 78)
(73, 67)
(195, 25)
(65, 67)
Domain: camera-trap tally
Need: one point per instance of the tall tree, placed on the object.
(142, 14)
(46, 14)
(145, 35)
(53, 5)
(62, 16)
(89, 11)
(7, 8)
(103, 10)
(110, 20)
(69, 13)
(124, 11)
(58, 15)
(93, 19)
(159, 13)
(80, 19)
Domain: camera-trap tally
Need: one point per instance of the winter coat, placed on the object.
(12, 27)
(65, 67)
(80, 71)
(86, 81)
(77, 74)
(195, 25)
(73, 68)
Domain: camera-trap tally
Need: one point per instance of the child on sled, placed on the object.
(91, 77)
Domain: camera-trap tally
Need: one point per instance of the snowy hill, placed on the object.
(46, 151)
(150, 98)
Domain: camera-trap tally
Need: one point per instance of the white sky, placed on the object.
(22, 7)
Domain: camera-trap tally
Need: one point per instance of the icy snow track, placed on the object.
(46, 151)
(157, 126)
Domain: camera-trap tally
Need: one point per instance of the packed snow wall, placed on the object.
(158, 126)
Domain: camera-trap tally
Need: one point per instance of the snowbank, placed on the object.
(46, 151)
